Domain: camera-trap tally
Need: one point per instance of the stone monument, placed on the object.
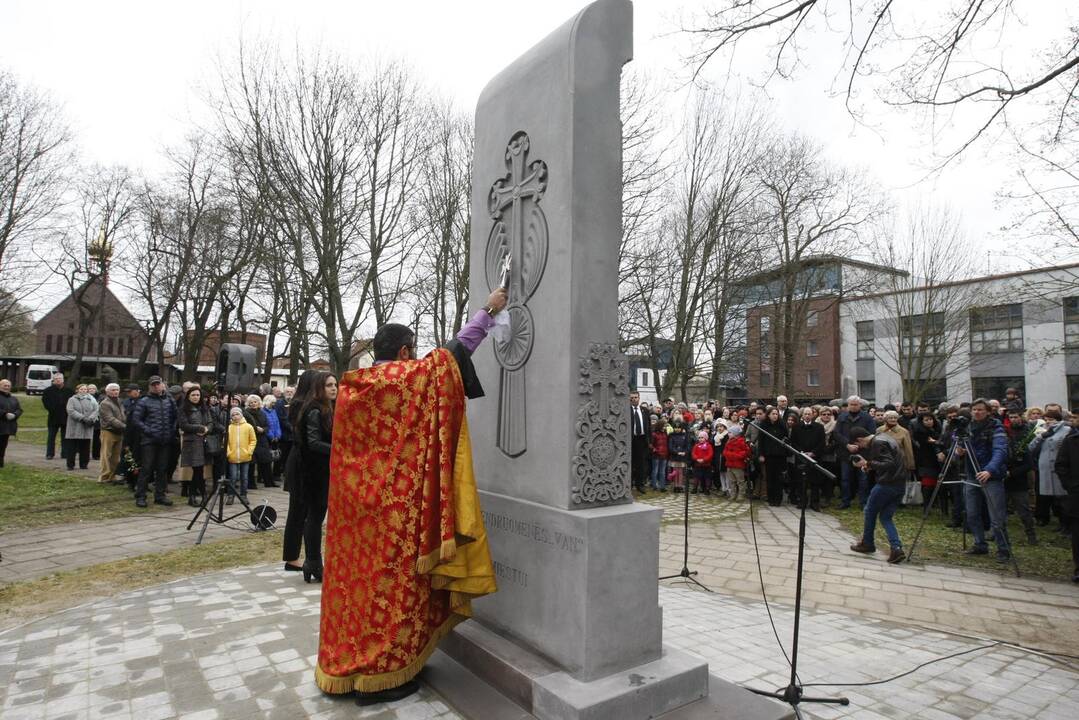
(576, 628)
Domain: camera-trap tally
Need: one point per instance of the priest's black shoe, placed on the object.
(390, 695)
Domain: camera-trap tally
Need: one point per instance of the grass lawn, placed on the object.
(30, 498)
(24, 601)
(940, 545)
(33, 412)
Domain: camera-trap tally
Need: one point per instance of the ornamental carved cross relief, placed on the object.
(601, 457)
(519, 232)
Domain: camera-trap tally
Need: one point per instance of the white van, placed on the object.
(39, 377)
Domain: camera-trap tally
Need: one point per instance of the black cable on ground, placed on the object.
(764, 594)
(908, 672)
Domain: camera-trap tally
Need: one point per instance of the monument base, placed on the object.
(484, 676)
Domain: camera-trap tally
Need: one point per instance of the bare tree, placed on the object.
(337, 153)
(940, 57)
(809, 209)
(677, 300)
(442, 220)
(35, 160)
(35, 157)
(922, 333)
(105, 207)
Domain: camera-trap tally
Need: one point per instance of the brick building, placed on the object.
(112, 344)
(820, 284)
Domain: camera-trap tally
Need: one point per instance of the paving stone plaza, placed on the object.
(241, 643)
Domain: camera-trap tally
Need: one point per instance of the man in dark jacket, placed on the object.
(1020, 465)
(1067, 468)
(155, 418)
(808, 436)
(131, 438)
(882, 454)
(987, 468)
(851, 479)
(55, 400)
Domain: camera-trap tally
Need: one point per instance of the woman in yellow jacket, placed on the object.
(241, 446)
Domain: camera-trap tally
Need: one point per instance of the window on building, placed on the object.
(935, 392)
(48, 343)
(811, 348)
(813, 378)
(1073, 392)
(766, 380)
(70, 342)
(108, 347)
(1071, 322)
(864, 332)
(766, 325)
(646, 378)
(996, 329)
(922, 334)
(867, 390)
(992, 388)
(812, 318)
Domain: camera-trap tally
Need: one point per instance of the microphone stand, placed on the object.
(792, 694)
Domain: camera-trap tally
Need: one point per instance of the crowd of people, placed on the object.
(182, 434)
(988, 456)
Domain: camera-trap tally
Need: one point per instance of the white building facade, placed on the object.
(1023, 331)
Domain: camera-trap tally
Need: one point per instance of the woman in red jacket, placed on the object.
(736, 456)
(702, 463)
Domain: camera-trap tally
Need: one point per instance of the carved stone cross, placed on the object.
(519, 231)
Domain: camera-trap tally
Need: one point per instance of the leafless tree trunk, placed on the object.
(811, 209)
(443, 220)
(337, 152)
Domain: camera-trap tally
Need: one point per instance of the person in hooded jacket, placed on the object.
(81, 417)
(679, 447)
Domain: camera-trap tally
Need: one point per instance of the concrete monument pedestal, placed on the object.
(575, 630)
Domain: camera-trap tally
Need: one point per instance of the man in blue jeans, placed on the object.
(851, 479)
(989, 465)
(882, 454)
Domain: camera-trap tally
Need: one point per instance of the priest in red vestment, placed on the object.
(406, 549)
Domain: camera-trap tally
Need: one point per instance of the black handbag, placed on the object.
(213, 444)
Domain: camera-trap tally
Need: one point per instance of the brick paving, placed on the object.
(242, 643)
(864, 619)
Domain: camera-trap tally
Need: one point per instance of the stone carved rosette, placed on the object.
(601, 460)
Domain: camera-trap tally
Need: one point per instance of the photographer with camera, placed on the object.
(883, 455)
(988, 442)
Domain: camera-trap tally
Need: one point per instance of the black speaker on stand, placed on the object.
(235, 373)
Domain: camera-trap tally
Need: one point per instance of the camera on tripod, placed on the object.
(961, 423)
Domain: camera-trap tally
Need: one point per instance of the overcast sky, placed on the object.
(132, 75)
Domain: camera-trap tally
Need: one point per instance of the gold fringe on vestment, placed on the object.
(384, 681)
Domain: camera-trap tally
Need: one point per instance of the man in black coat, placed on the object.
(155, 417)
(55, 400)
(809, 437)
(639, 432)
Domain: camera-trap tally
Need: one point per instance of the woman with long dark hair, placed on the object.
(297, 508)
(772, 455)
(315, 438)
(195, 424)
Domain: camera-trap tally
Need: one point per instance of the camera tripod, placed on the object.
(262, 518)
(962, 441)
